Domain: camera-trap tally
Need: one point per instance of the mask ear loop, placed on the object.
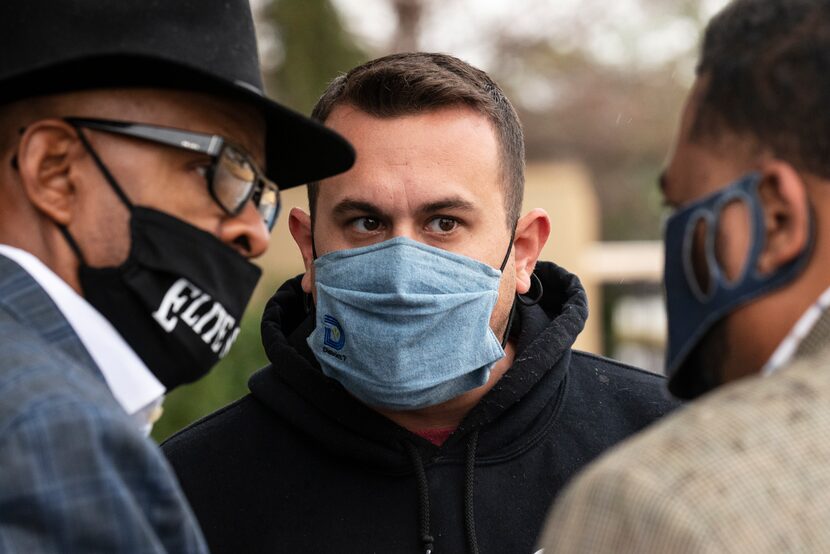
(309, 299)
(533, 277)
(509, 327)
(313, 246)
(525, 302)
(512, 316)
(73, 244)
(104, 171)
(509, 246)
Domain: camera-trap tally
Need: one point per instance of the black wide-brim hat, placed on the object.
(53, 46)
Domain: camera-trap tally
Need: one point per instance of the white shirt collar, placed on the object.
(131, 382)
(786, 350)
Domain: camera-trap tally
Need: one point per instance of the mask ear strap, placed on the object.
(512, 316)
(313, 246)
(104, 171)
(309, 299)
(73, 244)
(533, 277)
(509, 327)
(509, 246)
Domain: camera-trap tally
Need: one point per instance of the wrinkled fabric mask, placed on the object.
(698, 292)
(177, 299)
(403, 325)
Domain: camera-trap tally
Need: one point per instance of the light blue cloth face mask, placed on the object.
(403, 325)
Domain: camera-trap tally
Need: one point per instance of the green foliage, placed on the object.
(316, 48)
(227, 382)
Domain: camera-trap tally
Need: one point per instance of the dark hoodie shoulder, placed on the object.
(631, 389)
(300, 465)
(611, 400)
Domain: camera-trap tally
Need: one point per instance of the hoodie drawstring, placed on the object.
(469, 488)
(423, 493)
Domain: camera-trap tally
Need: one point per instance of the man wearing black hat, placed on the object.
(140, 170)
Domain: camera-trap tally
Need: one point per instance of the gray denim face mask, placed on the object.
(403, 325)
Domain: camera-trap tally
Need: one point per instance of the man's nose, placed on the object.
(404, 229)
(246, 232)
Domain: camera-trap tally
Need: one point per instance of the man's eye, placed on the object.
(442, 225)
(366, 224)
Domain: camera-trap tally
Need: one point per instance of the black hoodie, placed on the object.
(300, 466)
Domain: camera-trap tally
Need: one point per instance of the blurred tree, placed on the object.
(617, 121)
(314, 48)
(409, 14)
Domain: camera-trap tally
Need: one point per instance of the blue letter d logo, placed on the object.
(333, 335)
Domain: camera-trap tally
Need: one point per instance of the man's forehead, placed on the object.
(207, 113)
(443, 141)
(350, 120)
(400, 201)
(410, 164)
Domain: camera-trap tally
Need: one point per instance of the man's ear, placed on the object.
(532, 232)
(299, 223)
(45, 157)
(787, 215)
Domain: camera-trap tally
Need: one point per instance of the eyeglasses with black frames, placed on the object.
(232, 177)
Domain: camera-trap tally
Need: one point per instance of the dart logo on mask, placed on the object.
(186, 303)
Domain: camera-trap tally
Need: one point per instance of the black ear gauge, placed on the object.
(527, 299)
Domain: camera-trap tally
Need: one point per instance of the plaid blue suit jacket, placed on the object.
(76, 475)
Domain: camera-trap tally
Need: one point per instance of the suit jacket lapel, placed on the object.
(817, 340)
(25, 301)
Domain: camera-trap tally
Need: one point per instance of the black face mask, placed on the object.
(178, 298)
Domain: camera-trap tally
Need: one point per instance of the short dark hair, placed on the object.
(406, 84)
(765, 68)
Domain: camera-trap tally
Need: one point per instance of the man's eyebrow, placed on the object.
(257, 154)
(349, 205)
(446, 204)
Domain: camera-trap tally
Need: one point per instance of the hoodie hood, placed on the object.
(319, 407)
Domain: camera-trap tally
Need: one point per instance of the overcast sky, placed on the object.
(618, 32)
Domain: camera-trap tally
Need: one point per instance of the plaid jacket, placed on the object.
(75, 473)
(744, 469)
